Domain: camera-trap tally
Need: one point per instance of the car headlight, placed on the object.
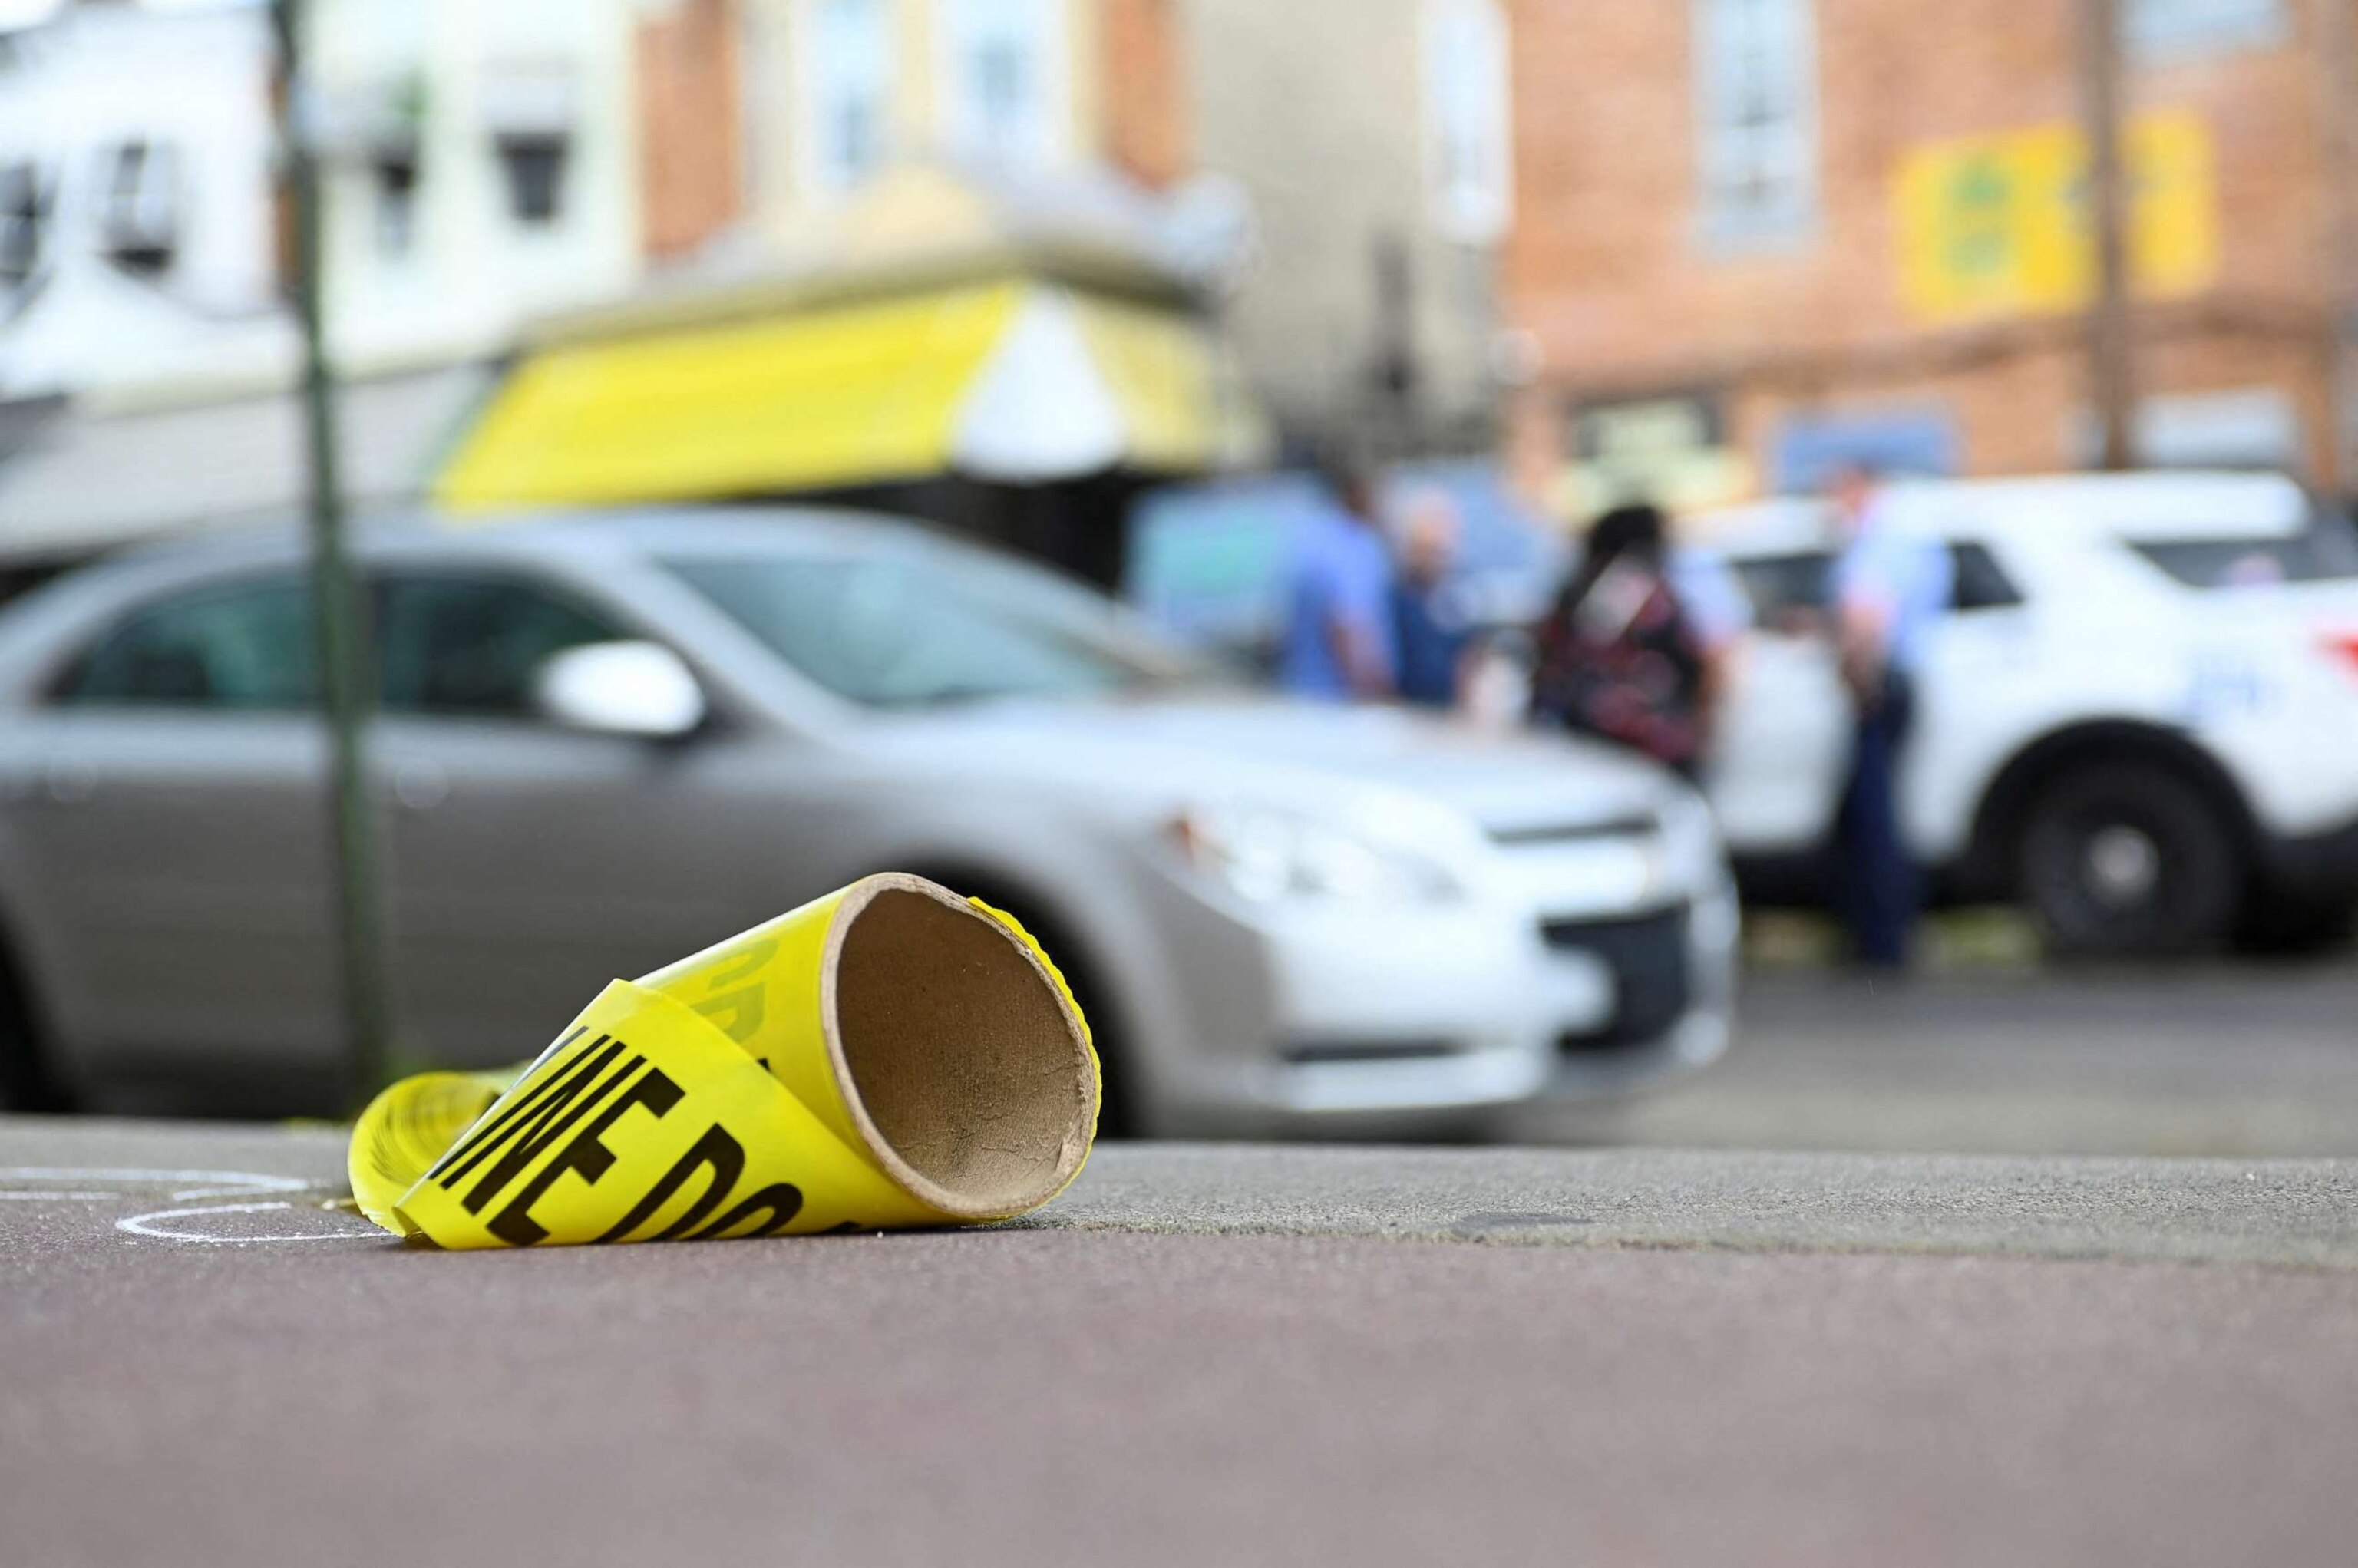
(1267, 853)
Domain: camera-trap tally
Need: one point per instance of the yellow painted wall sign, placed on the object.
(1999, 225)
(890, 1056)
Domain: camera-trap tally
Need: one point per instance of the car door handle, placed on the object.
(420, 784)
(69, 784)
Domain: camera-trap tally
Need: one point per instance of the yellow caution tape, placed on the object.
(889, 1056)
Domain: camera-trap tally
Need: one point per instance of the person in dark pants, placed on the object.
(1879, 886)
(1891, 585)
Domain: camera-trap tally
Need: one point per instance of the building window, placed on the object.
(847, 50)
(1468, 122)
(1756, 87)
(1003, 86)
(2162, 29)
(26, 199)
(392, 130)
(530, 109)
(534, 164)
(139, 206)
(392, 178)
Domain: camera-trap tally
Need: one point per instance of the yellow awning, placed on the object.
(1165, 383)
(1009, 380)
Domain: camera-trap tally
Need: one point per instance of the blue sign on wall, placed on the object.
(1810, 446)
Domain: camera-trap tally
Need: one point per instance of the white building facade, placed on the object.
(485, 170)
(137, 227)
(482, 169)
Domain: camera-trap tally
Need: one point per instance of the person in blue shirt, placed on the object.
(1431, 635)
(1339, 643)
(1891, 585)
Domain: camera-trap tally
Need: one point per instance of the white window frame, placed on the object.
(957, 26)
(2179, 29)
(1757, 182)
(821, 88)
(1469, 119)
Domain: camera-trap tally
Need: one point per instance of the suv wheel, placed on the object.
(2127, 860)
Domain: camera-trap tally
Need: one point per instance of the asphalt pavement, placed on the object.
(2213, 1059)
(1200, 1355)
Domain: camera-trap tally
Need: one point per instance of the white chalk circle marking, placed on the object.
(103, 1184)
(143, 1225)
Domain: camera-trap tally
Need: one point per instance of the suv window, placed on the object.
(1778, 585)
(471, 645)
(1980, 582)
(2327, 552)
(243, 646)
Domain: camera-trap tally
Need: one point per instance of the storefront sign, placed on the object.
(1999, 225)
(1668, 450)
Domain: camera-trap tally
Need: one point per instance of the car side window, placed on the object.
(1780, 585)
(242, 647)
(1981, 582)
(471, 645)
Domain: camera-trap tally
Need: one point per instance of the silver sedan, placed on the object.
(605, 742)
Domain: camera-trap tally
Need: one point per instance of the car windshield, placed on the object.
(909, 631)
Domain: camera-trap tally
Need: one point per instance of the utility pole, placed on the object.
(2337, 108)
(2112, 374)
(336, 611)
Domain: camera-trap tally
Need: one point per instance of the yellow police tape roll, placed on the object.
(890, 1056)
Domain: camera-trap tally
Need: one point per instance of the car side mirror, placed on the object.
(639, 689)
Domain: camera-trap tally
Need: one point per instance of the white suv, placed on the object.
(2141, 718)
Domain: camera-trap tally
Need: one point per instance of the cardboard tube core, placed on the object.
(964, 1069)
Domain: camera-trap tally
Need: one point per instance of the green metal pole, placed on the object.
(343, 654)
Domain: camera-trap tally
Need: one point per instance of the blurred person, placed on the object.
(1620, 655)
(1717, 607)
(1890, 586)
(2260, 568)
(1432, 638)
(1340, 645)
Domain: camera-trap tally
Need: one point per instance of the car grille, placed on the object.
(1634, 827)
(1651, 987)
(1331, 1053)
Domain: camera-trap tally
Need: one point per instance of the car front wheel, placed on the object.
(2121, 859)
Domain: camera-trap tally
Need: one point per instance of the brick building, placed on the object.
(1363, 143)
(1753, 236)
(766, 114)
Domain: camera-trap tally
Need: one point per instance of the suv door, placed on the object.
(1785, 729)
(178, 836)
(1990, 682)
(532, 863)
